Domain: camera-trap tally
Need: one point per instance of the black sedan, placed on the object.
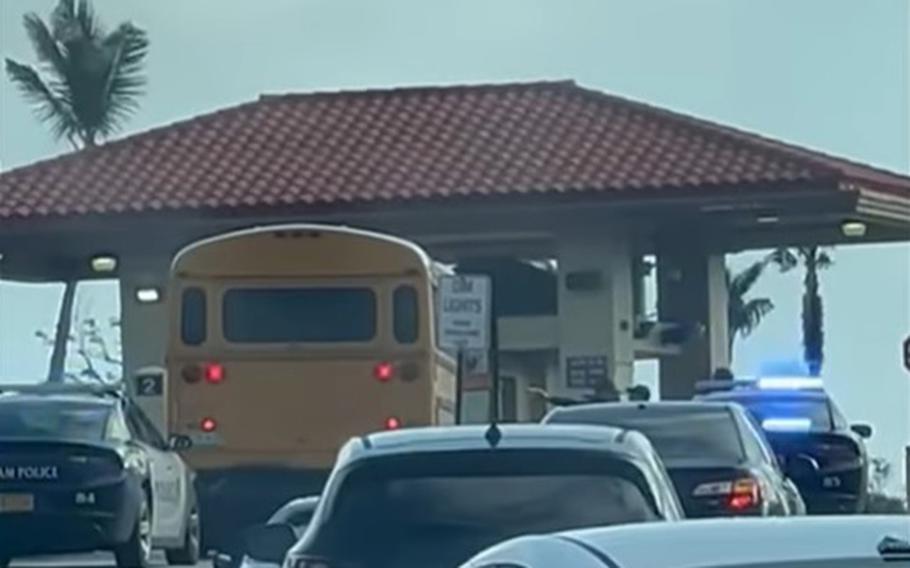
(807, 430)
(720, 463)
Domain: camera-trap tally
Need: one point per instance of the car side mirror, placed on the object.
(801, 466)
(179, 443)
(862, 430)
(269, 543)
(222, 560)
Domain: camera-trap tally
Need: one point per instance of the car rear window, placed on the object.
(299, 315)
(789, 410)
(440, 509)
(675, 433)
(52, 420)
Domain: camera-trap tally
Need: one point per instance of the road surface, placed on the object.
(85, 561)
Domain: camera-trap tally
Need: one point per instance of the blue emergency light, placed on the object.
(790, 383)
(786, 424)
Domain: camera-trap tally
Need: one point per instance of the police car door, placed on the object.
(169, 492)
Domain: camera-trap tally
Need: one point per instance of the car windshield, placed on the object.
(439, 509)
(789, 414)
(676, 434)
(53, 420)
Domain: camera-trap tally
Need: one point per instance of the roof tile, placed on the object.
(415, 144)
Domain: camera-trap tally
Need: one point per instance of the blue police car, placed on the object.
(823, 454)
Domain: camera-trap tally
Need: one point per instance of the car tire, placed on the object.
(136, 552)
(188, 554)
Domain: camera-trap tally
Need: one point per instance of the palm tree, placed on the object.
(813, 259)
(744, 314)
(87, 83)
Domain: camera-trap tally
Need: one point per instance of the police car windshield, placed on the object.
(53, 420)
(440, 509)
(813, 412)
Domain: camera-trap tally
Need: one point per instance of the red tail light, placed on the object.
(213, 373)
(745, 495)
(208, 425)
(383, 372)
(392, 423)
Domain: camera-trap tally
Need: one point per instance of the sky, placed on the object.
(829, 74)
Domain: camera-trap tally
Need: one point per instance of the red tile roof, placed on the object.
(417, 144)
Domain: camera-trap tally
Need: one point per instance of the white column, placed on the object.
(144, 326)
(692, 289)
(595, 303)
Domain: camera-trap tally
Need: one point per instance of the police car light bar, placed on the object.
(786, 424)
(789, 383)
(704, 387)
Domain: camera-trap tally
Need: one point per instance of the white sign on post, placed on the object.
(464, 312)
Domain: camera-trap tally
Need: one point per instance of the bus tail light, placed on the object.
(392, 423)
(383, 372)
(208, 425)
(213, 373)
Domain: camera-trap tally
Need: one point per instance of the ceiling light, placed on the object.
(104, 263)
(853, 229)
(148, 295)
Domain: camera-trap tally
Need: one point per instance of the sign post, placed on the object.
(464, 321)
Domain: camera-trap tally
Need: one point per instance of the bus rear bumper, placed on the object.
(231, 500)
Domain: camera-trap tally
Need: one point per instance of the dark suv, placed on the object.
(716, 455)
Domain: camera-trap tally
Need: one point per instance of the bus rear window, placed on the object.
(405, 308)
(299, 315)
(193, 316)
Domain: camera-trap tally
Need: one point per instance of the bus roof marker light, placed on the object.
(208, 425)
(392, 423)
(789, 383)
(786, 424)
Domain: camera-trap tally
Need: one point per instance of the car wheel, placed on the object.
(137, 551)
(188, 554)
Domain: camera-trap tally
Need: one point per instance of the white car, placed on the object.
(788, 542)
(83, 469)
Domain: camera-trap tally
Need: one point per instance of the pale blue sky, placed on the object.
(830, 74)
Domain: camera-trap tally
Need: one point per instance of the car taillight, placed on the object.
(383, 372)
(392, 423)
(746, 494)
(741, 494)
(213, 373)
(208, 425)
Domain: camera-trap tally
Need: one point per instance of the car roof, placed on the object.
(727, 542)
(659, 407)
(12, 397)
(510, 436)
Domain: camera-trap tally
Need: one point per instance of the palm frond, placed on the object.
(784, 258)
(88, 23)
(48, 105)
(824, 260)
(128, 46)
(45, 46)
(63, 21)
(754, 312)
(743, 281)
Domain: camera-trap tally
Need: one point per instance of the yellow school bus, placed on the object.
(287, 340)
